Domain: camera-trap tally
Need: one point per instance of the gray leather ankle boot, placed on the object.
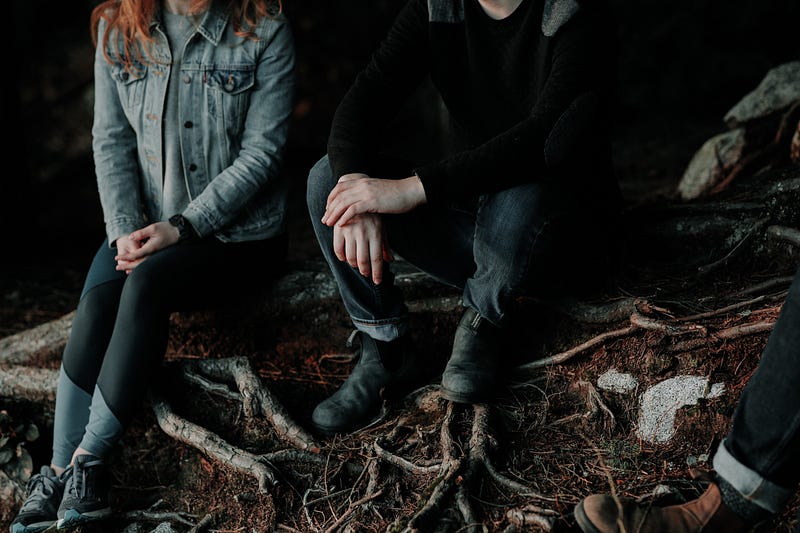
(472, 374)
(384, 370)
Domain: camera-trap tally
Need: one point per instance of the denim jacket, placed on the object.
(234, 105)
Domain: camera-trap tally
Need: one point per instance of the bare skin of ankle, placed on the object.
(80, 451)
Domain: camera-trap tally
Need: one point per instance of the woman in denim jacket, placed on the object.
(192, 103)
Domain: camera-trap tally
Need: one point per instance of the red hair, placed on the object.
(131, 19)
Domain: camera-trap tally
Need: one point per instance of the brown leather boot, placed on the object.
(706, 514)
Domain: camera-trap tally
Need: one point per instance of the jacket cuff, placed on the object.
(121, 227)
(203, 221)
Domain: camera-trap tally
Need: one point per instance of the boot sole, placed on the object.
(583, 521)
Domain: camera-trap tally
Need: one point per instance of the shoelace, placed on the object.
(39, 488)
(80, 475)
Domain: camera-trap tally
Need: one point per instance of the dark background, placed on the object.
(682, 65)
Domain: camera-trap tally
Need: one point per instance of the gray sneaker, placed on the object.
(39, 511)
(85, 493)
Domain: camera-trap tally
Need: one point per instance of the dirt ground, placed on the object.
(541, 443)
(543, 439)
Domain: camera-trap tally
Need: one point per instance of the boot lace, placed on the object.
(40, 487)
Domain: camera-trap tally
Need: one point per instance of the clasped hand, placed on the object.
(135, 248)
(353, 209)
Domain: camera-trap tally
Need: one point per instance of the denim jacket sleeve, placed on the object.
(263, 139)
(115, 155)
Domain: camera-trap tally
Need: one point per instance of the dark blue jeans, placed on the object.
(524, 241)
(760, 456)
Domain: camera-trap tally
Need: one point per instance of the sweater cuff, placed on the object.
(433, 181)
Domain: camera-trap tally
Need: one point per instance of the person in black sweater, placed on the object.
(523, 205)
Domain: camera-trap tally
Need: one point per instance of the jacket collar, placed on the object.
(212, 25)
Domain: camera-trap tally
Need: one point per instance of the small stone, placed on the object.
(614, 381)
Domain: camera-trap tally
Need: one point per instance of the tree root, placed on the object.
(29, 383)
(458, 473)
(672, 327)
(43, 340)
(256, 398)
(212, 444)
(530, 516)
(784, 234)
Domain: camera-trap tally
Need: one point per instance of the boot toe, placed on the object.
(597, 514)
(330, 418)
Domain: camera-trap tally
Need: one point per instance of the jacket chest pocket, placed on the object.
(130, 85)
(228, 90)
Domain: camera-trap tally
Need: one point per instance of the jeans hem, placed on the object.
(382, 330)
(750, 484)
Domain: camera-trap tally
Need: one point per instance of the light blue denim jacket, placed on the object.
(235, 100)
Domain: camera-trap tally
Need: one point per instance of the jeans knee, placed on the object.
(320, 183)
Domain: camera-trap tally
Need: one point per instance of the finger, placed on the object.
(333, 195)
(388, 255)
(350, 251)
(148, 248)
(363, 250)
(336, 208)
(140, 235)
(355, 209)
(349, 177)
(338, 244)
(130, 265)
(376, 256)
(136, 254)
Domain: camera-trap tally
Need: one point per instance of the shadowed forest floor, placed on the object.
(541, 443)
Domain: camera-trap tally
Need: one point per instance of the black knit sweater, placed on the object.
(529, 95)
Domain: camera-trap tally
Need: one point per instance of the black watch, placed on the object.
(185, 230)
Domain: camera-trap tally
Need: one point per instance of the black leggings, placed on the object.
(119, 334)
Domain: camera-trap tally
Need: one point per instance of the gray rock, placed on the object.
(778, 90)
(660, 404)
(711, 163)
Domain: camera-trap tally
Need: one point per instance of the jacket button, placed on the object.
(125, 76)
(186, 79)
(188, 124)
(192, 167)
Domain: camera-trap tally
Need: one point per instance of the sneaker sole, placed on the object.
(583, 521)
(73, 518)
(38, 527)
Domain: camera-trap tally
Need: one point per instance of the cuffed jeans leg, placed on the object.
(759, 456)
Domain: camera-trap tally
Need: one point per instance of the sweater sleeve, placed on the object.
(575, 91)
(394, 71)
